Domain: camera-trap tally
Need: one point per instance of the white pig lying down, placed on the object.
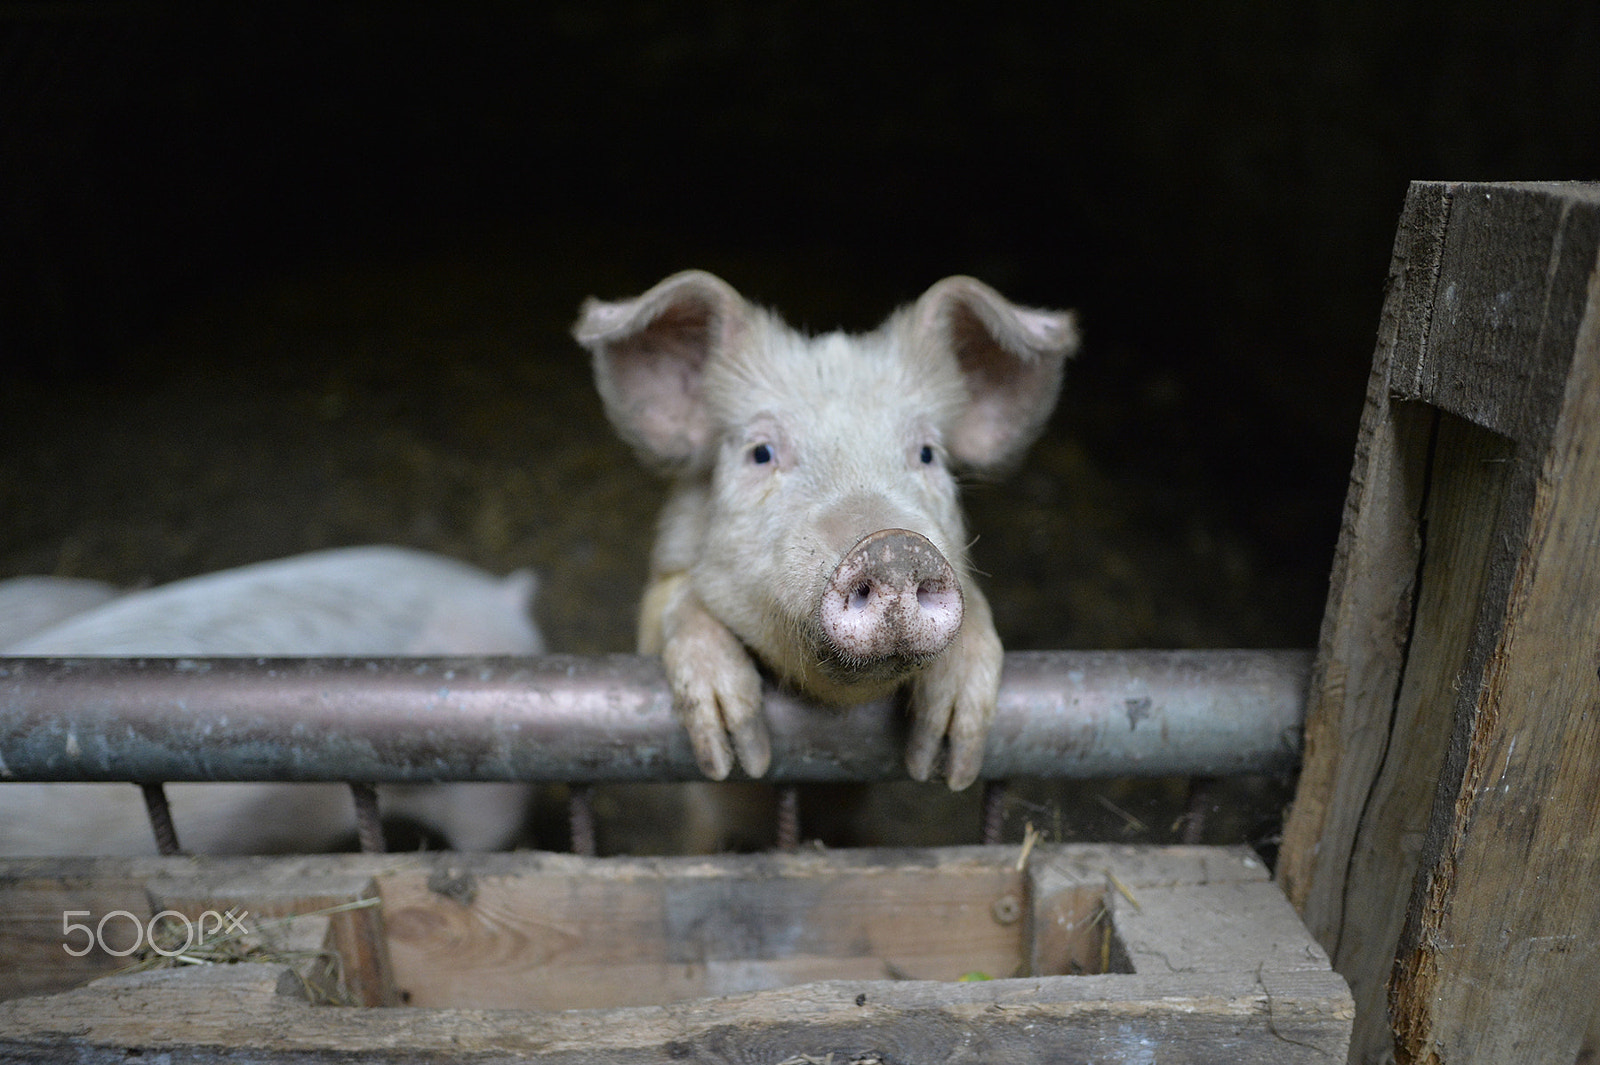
(358, 601)
(814, 526)
(33, 604)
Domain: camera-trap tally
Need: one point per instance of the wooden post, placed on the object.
(1444, 845)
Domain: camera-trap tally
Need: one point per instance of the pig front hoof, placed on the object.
(717, 695)
(966, 723)
(955, 697)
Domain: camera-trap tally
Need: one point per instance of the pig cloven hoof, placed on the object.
(894, 596)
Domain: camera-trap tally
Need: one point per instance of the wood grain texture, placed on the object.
(246, 1017)
(1367, 621)
(1464, 584)
(302, 913)
(1500, 332)
(1500, 958)
(1239, 981)
(34, 899)
(1461, 554)
(646, 933)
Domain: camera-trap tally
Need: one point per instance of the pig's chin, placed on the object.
(872, 673)
(811, 664)
(841, 677)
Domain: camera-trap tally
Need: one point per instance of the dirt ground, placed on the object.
(438, 402)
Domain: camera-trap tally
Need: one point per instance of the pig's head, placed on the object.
(816, 514)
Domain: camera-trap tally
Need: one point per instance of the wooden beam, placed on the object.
(1446, 815)
(1355, 685)
(1500, 957)
(1366, 624)
(253, 1015)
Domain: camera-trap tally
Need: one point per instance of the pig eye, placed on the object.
(761, 454)
(927, 455)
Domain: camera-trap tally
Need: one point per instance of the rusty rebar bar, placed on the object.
(369, 821)
(581, 820)
(994, 812)
(788, 818)
(159, 811)
(1075, 714)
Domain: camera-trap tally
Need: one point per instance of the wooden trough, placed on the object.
(1056, 953)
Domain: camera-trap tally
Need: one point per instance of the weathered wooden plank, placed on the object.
(1072, 930)
(353, 940)
(38, 896)
(1441, 534)
(38, 951)
(1501, 329)
(1087, 864)
(1367, 621)
(1211, 928)
(573, 934)
(1500, 957)
(1462, 538)
(257, 1016)
(640, 934)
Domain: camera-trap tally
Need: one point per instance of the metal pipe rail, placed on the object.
(1082, 714)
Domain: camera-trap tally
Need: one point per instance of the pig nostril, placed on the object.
(862, 593)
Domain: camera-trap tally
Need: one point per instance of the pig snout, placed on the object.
(893, 596)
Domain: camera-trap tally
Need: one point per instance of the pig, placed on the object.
(813, 528)
(32, 604)
(375, 600)
(346, 601)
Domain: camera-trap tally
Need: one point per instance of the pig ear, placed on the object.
(1011, 360)
(649, 357)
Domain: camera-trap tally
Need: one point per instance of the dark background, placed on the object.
(283, 276)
